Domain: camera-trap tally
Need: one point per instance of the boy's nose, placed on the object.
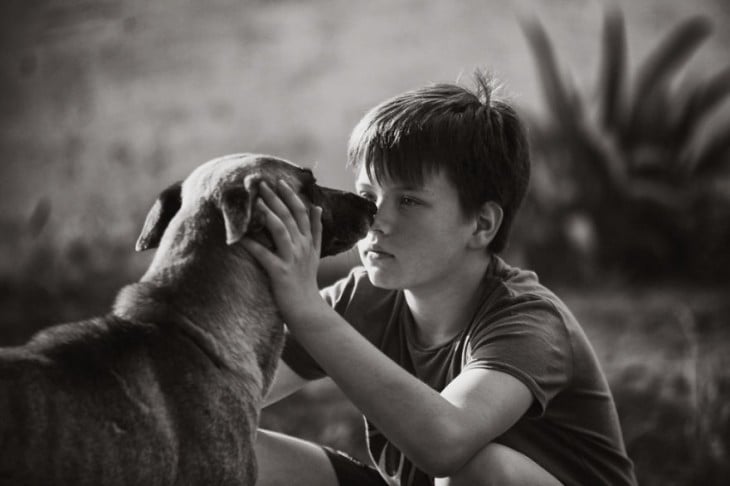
(382, 221)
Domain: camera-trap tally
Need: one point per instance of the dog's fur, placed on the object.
(167, 388)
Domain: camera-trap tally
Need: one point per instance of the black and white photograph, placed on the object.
(377, 243)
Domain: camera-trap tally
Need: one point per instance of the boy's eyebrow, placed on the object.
(398, 187)
(411, 187)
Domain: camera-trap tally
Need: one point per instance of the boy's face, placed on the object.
(420, 236)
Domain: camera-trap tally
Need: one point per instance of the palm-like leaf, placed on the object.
(566, 107)
(612, 71)
(560, 98)
(637, 168)
(699, 104)
(661, 65)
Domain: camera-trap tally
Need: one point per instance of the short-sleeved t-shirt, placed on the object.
(520, 328)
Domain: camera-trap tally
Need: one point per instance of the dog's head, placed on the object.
(229, 186)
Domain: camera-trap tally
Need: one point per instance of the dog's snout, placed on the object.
(352, 201)
(346, 220)
(364, 204)
(371, 209)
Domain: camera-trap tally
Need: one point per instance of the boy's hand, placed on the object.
(297, 234)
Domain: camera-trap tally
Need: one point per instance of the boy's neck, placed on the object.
(441, 311)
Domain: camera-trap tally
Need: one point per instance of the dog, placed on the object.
(167, 388)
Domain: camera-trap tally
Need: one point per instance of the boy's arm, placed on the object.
(439, 432)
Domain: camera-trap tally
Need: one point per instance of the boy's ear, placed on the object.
(488, 222)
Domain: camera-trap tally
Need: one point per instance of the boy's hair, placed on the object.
(476, 139)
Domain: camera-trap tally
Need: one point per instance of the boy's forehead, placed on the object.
(370, 177)
(428, 181)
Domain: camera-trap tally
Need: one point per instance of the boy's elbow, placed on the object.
(440, 465)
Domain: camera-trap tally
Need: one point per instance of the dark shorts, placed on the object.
(351, 472)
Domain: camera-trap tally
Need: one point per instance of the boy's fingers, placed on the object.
(278, 229)
(261, 253)
(279, 208)
(316, 224)
(296, 207)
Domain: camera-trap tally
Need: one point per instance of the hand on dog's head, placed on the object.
(232, 183)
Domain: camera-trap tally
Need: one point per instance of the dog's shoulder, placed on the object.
(91, 340)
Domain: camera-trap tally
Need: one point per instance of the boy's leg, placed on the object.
(499, 465)
(284, 460)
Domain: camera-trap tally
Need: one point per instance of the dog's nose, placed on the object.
(371, 208)
(366, 205)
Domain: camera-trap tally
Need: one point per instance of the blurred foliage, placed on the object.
(634, 176)
(664, 352)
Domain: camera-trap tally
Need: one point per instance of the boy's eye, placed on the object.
(409, 201)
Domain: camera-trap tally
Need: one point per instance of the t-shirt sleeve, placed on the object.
(528, 340)
(294, 355)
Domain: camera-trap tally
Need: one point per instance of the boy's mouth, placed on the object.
(376, 253)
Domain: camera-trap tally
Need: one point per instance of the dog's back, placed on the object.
(108, 401)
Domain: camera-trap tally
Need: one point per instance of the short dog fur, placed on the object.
(166, 389)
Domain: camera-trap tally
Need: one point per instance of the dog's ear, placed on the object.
(236, 204)
(163, 210)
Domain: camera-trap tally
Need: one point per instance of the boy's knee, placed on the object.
(500, 465)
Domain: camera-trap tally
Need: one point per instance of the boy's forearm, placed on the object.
(415, 417)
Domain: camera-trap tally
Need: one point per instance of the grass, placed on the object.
(665, 354)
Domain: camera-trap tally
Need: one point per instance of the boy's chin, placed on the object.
(378, 279)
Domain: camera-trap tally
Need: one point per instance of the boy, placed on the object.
(467, 370)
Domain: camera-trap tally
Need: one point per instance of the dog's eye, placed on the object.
(308, 177)
(367, 195)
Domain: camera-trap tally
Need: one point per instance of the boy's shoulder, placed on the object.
(516, 285)
(515, 281)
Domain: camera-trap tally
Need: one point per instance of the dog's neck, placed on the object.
(222, 302)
